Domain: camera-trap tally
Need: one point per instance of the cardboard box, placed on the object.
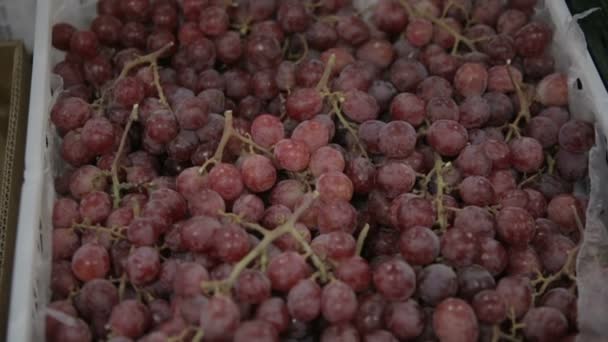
(15, 75)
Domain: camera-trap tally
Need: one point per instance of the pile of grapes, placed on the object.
(301, 170)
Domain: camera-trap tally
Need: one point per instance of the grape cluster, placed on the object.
(265, 170)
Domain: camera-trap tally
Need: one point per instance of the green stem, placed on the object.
(361, 238)
(116, 162)
(287, 227)
(524, 106)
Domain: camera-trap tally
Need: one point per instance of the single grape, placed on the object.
(447, 137)
(395, 178)
(489, 307)
(434, 86)
(394, 279)
(471, 79)
(552, 90)
(501, 78)
(435, 283)
(326, 159)
(474, 112)
(473, 279)
(532, 39)
(252, 287)
(455, 320)
(380, 336)
(143, 265)
(442, 108)
(389, 16)
(370, 313)
(544, 324)
(516, 291)
(336, 215)
(419, 245)
(338, 302)
(419, 32)
(312, 133)
(472, 161)
(303, 104)
(304, 300)
(353, 30)
(286, 270)
(188, 277)
(230, 243)
(90, 261)
(340, 332)
(97, 298)
(476, 220)
(334, 186)
(336, 245)
(576, 136)
(459, 248)
(355, 272)
(510, 21)
(359, 106)
(501, 108)
(220, 317)
(129, 318)
(226, 180)
(197, 232)
(293, 17)
(562, 300)
(292, 155)
(492, 256)
(274, 311)
(414, 212)
(408, 107)
(477, 190)
(515, 226)
(405, 319)
(84, 44)
(258, 173)
(78, 331)
(256, 330)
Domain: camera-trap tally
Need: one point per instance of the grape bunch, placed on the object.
(294, 170)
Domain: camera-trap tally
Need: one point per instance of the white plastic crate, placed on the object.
(30, 284)
(16, 21)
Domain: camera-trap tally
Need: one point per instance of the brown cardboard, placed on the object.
(15, 75)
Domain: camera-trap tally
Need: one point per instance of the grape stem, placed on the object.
(438, 170)
(244, 27)
(116, 186)
(524, 106)
(528, 180)
(228, 133)
(270, 236)
(151, 59)
(361, 238)
(122, 286)
(198, 336)
(114, 232)
(458, 37)
(184, 334)
(451, 4)
(322, 85)
(569, 268)
(335, 99)
(550, 164)
(249, 225)
(498, 335)
(304, 53)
